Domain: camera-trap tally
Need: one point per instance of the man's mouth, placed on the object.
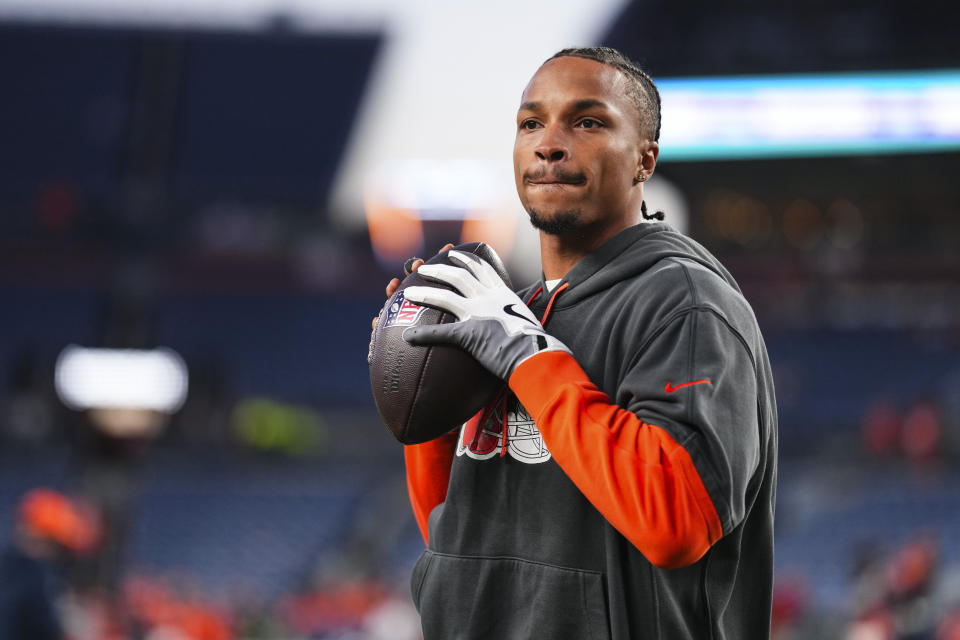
(555, 179)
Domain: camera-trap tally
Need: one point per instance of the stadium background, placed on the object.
(233, 180)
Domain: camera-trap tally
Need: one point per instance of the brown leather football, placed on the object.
(425, 392)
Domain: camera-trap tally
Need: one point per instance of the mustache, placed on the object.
(541, 174)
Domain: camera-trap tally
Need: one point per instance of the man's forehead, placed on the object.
(573, 79)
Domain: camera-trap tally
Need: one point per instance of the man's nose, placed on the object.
(551, 147)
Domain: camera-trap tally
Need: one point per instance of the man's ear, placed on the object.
(649, 152)
(650, 155)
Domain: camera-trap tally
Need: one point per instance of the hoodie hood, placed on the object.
(631, 252)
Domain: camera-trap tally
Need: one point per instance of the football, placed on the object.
(425, 392)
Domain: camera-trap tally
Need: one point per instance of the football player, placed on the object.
(625, 486)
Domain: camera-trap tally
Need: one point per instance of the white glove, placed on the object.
(494, 326)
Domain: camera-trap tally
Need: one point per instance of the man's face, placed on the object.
(578, 147)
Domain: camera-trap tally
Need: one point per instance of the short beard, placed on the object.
(561, 224)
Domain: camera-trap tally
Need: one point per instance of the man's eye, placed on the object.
(529, 124)
(589, 123)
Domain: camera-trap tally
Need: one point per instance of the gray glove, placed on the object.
(495, 326)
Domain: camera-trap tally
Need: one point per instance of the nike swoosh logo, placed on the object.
(670, 388)
(508, 309)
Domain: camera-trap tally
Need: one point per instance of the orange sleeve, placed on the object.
(428, 474)
(636, 475)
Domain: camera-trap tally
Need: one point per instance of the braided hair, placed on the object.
(650, 216)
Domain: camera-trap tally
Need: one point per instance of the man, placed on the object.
(624, 487)
(48, 525)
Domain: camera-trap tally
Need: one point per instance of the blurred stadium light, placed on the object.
(450, 190)
(311, 14)
(814, 114)
(419, 191)
(121, 379)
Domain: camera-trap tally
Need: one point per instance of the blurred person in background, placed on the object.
(893, 596)
(48, 528)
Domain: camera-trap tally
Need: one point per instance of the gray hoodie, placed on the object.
(575, 520)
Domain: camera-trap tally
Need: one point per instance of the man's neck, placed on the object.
(559, 254)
